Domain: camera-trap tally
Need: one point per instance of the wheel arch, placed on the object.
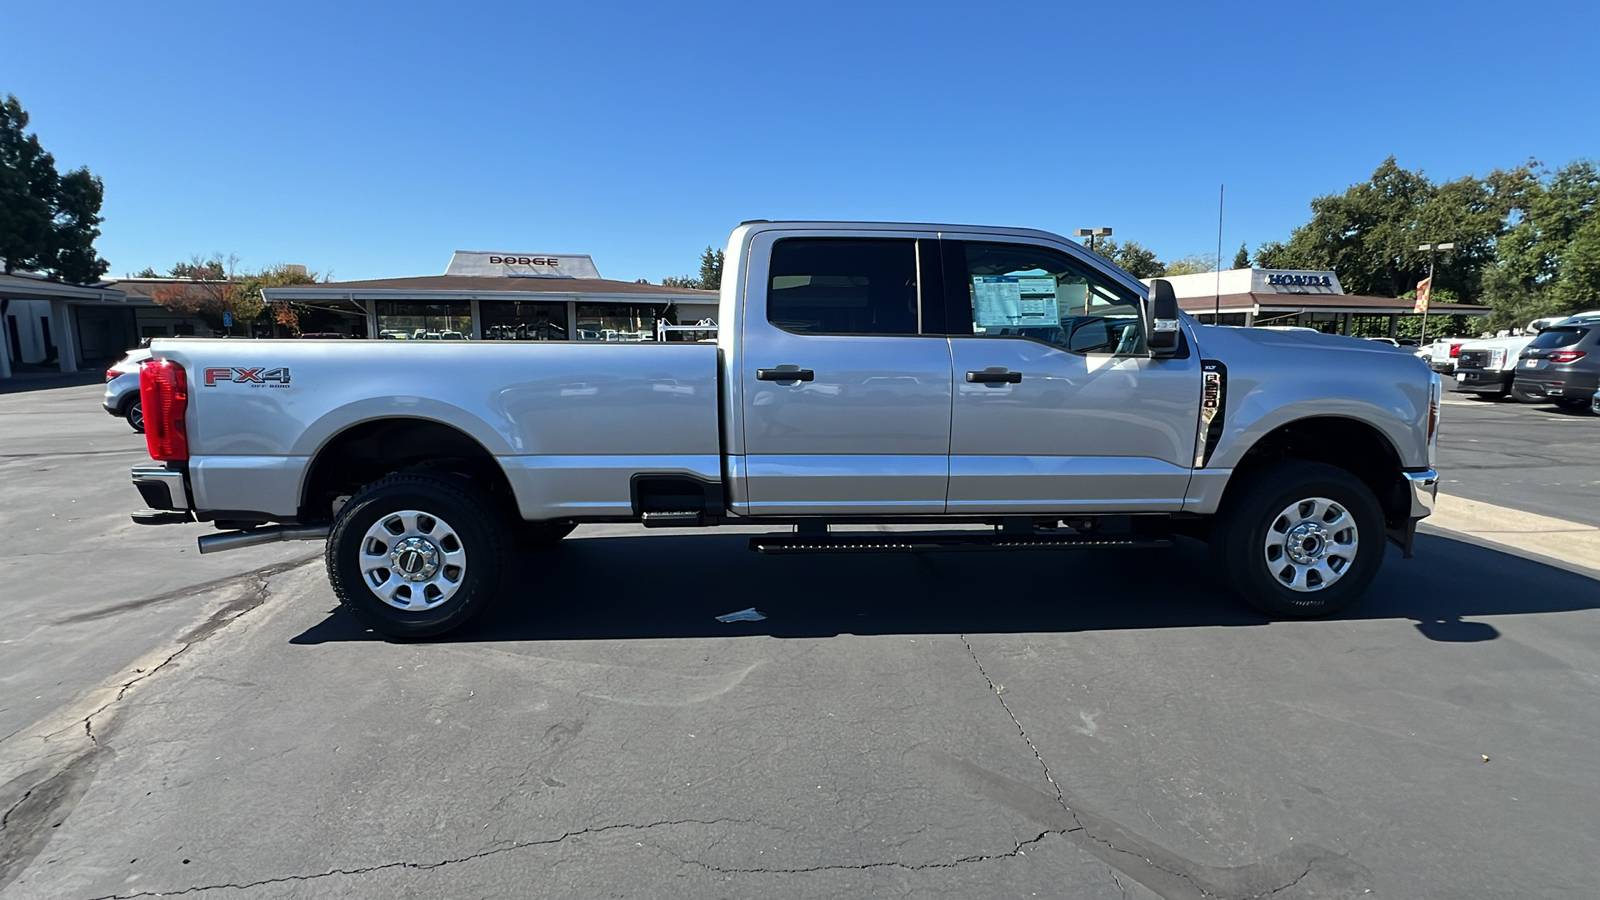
(366, 451)
(1347, 443)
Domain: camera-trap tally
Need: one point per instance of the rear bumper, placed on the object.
(166, 496)
(1581, 385)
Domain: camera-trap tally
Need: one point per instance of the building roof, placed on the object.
(1335, 303)
(465, 286)
(21, 285)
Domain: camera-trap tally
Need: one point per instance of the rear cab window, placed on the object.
(844, 286)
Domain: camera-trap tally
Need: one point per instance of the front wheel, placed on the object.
(415, 556)
(1299, 539)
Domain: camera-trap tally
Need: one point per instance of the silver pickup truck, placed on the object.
(916, 375)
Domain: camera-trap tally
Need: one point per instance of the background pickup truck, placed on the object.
(923, 375)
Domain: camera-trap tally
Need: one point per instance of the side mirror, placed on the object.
(1163, 340)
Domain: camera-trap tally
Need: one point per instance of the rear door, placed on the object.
(1057, 405)
(845, 377)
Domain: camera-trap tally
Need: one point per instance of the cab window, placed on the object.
(843, 286)
(1022, 291)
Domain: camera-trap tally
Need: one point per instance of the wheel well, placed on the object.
(1349, 444)
(363, 453)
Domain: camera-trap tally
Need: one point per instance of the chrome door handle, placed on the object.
(994, 375)
(785, 373)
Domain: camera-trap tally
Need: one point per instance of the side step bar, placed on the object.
(945, 543)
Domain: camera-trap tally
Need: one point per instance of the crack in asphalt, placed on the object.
(995, 689)
(425, 866)
(1085, 832)
(861, 867)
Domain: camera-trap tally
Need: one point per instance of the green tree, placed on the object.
(1369, 233)
(709, 279)
(1131, 257)
(711, 270)
(1193, 264)
(249, 296)
(1241, 260)
(48, 222)
(146, 272)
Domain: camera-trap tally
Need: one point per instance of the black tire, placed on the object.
(1572, 402)
(532, 535)
(452, 518)
(135, 415)
(1240, 551)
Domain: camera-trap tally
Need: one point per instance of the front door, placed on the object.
(845, 384)
(1058, 406)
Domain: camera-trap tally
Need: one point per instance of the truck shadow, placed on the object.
(673, 586)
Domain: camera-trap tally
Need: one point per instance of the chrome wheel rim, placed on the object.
(1311, 544)
(412, 560)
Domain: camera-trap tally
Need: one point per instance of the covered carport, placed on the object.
(1333, 313)
(62, 325)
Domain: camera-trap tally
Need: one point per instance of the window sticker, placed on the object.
(1016, 301)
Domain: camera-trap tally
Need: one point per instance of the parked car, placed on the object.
(122, 389)
(1441, 354)
(1562, 364)
(1023, 388)
(1487, 368)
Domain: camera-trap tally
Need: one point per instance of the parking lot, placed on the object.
(1097, 724)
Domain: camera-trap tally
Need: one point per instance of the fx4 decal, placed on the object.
(260, 376)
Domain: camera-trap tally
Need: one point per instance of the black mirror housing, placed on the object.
(1163, 339)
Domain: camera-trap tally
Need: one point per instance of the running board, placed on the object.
(946, 543)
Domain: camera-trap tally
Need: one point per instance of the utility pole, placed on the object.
(1091, 234)
(1425, 298)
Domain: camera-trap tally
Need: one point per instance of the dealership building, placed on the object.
(1307, 298)
(488, 296)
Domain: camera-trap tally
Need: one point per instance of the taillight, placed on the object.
(110, 374)
(1566, 356)
(164, 396)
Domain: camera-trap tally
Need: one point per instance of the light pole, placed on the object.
(1433, 248)
(1091, 234)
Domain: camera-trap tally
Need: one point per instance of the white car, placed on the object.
(122, 389)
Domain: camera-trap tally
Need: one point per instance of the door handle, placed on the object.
(994, 375)
(785, 373)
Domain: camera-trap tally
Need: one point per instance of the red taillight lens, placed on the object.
(110, 374)
(1455, 350)
(1566, 356)
(164, 394)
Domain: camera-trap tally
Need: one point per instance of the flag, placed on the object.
(1424, 288)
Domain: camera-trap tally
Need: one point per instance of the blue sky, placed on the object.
(372, 139)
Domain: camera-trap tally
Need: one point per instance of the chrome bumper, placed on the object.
(1424, 491)
(165, 495)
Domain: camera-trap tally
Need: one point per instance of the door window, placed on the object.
(1022, 291)
(843, 287)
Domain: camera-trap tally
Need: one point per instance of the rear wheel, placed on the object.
(135, 415)
(1571, 402)
(1299, 539)
(415, 555)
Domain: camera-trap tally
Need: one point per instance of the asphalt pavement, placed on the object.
(1096, 724)
(1537, 458)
